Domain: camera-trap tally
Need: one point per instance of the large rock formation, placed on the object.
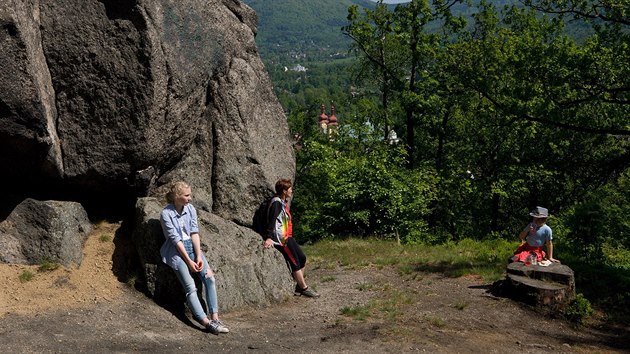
(103, 101)
(106, 101)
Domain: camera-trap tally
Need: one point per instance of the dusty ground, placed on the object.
(87, 309)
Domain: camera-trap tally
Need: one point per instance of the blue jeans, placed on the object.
(185, 278)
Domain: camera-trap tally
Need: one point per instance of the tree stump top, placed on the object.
(555, 272)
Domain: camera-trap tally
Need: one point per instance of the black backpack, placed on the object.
(261, 217)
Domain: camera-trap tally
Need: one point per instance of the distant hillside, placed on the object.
(290, 30)
(302, 25)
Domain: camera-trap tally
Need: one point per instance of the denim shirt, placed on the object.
(172, 228)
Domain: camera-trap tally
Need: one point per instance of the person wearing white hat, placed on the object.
(536, 234)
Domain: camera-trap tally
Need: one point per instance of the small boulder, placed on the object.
(44, 230)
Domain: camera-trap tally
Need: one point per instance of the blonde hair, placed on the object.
(175, 190)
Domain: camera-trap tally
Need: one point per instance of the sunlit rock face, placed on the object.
(102, 102)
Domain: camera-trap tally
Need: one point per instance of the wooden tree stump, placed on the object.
(549, 288)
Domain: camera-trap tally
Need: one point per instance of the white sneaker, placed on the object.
(218, 327)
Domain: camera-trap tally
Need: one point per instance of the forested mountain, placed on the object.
(289, 30)
(309, 57)
(306, 53)
(295, 27)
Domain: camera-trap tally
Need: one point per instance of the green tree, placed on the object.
(374, 40)
(505, 113)
(357, 185)
(525, 126)
(397, 48)
(515, 112)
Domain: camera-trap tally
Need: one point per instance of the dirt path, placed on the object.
(366, 310)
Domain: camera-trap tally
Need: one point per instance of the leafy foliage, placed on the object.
(490, 99)
(579, 309)
(354, 184)
(596, 226)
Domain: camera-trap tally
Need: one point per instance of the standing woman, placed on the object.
(182, 252)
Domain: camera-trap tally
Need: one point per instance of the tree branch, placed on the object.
(594, 14)
(374, 60)
(576, 128)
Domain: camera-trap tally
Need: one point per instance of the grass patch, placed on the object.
(436, 321)
(46, 265)
(104, 238)
(390, 307)
(393, 306)
(102, 224)
(486, 259)
(26, 275)
(364, 286)
(461, 305)
(359, 313)
(406, 269)
(327, 279)
(454, 259)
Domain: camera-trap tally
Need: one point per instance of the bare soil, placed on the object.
(370, 309)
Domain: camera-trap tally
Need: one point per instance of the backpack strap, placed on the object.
(275, 198)
(271, 202)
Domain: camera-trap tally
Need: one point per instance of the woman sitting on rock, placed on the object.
(536, 234)
(182, 252)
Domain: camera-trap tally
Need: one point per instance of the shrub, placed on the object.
(598, 224)
(47, 265)
(348, 187)
(579, 309)
(26, 275)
